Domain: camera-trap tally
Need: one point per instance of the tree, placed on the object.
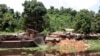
(3, 9)
(62, 10)
(51, 10)
(17, 15)
(33, 14)
(99, 10)
(7, 21)
(83, 22)
(96, 24)
(73, 13)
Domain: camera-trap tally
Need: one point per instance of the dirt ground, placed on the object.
(68, 46)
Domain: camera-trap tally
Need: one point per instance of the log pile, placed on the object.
(59, 35)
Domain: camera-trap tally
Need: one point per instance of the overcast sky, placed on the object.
(75, 4)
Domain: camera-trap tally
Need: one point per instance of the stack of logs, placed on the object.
(59, 35)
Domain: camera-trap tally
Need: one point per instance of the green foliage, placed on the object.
(33, 15)
(60, 19)
(7, 21)
(83, 22)
(87, 22)
(94, 45)
(36, 16)
(96, 24)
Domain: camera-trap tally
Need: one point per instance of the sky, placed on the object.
(74, 4)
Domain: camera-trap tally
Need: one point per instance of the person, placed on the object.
(31, 33)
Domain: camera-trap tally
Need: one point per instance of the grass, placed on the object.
(7, 33)
(94, 45)
(42, 48)
(3, 49)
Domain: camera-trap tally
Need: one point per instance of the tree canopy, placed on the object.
(37, 17)
(33, 14)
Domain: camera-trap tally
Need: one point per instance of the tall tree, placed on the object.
(96, 23)
(3, 9)
(7, 18)
(33, 14)
(51, 10)
(83, 22)
(8, 21)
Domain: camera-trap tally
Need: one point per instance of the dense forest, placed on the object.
(36, 16)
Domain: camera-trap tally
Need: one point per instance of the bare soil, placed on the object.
(68, 46)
